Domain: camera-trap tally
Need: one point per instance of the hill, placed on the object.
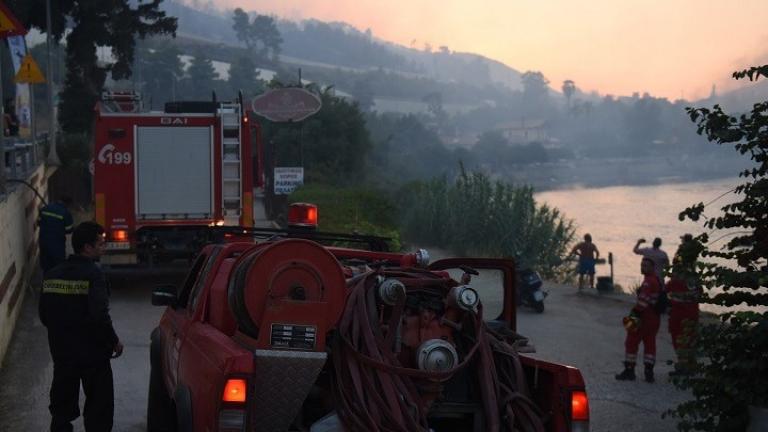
(336, 46)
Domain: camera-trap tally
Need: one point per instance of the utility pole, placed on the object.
(53, 156)
(2, 131)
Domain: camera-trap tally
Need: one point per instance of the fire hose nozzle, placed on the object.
(390, 290)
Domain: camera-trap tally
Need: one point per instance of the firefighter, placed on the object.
(74, 307)
(55, 223)
(642, 325)
(684, 292)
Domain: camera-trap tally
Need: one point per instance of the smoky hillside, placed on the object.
(429, 109)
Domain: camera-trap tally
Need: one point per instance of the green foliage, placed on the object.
(734, 372)
(201, 77)
(405, 149)
(161, 72)
(244, 77)
(494, 150)
(75, 150)
(354, 209)
(111, 23)
(332, 145)
(476, 216)
(260, 35)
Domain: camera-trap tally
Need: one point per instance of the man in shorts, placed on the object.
(588, 255)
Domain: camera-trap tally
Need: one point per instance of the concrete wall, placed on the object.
(18, 249)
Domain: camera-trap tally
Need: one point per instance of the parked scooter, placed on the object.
(529, 292)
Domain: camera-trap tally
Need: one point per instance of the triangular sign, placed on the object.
(29, 72)
(9, 25)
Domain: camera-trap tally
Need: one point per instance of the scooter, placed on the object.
(529, 292)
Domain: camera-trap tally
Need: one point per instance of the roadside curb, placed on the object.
(620, 297)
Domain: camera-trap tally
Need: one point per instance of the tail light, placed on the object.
(232, 415)
(234, 391)
(302, 215)
(579, 411)
(120, 235)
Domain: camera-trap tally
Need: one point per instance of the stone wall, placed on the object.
(18, 249)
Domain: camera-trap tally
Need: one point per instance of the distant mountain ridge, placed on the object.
(352, 48)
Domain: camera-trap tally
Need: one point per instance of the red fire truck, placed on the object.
(162, 178)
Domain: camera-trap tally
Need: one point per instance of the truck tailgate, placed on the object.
(173, 173)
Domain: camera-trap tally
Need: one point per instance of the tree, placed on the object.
(161, 71)
(260, 35)
(363, 94)
(332, 145)
(569, 88)
(535, 92)
(244, 77)
(201, 76)
(112, 23)
(734, 373)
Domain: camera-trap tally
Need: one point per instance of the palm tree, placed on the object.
(569, 88)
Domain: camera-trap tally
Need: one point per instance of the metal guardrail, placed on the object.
(20, 158)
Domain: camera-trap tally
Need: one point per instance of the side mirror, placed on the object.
(164, 295)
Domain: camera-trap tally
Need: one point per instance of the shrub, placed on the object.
(733, 371)
(476, 216)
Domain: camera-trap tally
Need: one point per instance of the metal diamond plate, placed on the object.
(282, 382)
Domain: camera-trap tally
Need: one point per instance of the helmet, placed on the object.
(631, 322)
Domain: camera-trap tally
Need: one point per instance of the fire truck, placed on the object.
(163, 178)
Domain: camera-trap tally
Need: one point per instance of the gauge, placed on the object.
(468, 297)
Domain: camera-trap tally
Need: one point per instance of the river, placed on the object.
(617, 216)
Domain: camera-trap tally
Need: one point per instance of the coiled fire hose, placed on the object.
(374, 392)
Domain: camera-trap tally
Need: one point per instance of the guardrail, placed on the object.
(20, 158)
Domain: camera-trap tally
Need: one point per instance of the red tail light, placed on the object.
(302, 214)
(579, 406)
(234, 390)
(120, 235)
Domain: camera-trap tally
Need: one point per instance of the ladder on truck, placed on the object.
(231, 162)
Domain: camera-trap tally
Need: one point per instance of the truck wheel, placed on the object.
(538, 307)
(161, 414)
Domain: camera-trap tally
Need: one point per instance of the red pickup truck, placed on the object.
(286, 334)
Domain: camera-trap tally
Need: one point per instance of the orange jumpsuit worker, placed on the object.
(684, 292)
(683, 317)
(648, 327)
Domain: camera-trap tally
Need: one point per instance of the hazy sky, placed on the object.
(669, 48)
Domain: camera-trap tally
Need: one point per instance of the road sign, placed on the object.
(286, 104)
(287, 179)
(9, 25)
(29, 72)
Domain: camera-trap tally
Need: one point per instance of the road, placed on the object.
(582, 330)
(27, 370)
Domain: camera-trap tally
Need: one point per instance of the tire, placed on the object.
(161, 413)
(538, 307)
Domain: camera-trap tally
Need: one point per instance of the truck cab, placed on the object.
(287, 334)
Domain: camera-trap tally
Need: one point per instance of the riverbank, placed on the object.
(608, 172)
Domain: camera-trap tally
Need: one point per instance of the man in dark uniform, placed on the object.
(55, 223)
(74, 306)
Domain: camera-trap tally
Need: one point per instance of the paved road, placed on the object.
(584, 330)
(27, 370)
(580, 330)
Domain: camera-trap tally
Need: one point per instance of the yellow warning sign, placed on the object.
(29, 72)
(9, 25)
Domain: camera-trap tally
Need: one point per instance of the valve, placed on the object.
(390, 290)
(436, 355)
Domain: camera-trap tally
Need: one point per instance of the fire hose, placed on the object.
(374, 391)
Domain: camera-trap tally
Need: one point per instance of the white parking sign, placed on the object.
(287, 179)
